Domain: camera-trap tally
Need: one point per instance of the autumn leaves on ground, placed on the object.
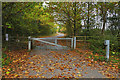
(78, 63)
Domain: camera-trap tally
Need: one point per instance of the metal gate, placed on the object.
(50, 43)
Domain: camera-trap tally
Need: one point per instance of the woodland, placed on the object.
(97, 21)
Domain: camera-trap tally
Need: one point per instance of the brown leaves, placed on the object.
(108, 75)
(55, 61)
(61, 67)
(86, 72)
(26, 73)
(51, 69)
(89, 64)
(18, 57)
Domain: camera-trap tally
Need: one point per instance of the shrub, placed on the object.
(96, 41)
(5, 59)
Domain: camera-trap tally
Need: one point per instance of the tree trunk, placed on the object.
(69, 25)
(119, 17)
(97, 18)
(104, 19)
(74, 18)
(88, 18)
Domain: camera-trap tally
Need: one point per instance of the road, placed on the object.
(58, 63)
(57, 36)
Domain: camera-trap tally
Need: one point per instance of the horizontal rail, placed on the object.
(52, 38)
(90, 36)
(49, 42)
(83, 40)
(80, 40)
(87, 36)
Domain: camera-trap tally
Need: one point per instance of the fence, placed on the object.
(15, 43)
(86, 42)
(83, 42)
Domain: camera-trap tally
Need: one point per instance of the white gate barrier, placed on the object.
(55, 44)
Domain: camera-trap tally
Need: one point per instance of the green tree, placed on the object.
(26, 18)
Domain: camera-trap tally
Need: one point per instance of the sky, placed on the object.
(44, 3)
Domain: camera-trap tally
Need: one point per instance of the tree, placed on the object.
(25, 18)
(114, 18)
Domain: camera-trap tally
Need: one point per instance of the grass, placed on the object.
(99, 55)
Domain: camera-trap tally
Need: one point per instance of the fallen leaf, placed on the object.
(86, 72)
(79, 75)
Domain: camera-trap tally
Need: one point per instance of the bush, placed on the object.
(5, 59)
(96, 41)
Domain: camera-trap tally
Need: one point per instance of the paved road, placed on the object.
(59, 35)
(58, 63)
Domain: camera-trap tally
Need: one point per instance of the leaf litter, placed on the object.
(70, 65)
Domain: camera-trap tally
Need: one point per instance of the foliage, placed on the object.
(5, 59)
(88, 15)
(26, 19)
(96, 40)
(73, 18)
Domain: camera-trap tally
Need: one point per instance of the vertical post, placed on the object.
(85, 42)
(107, 49)
(33, 42)
(74, 42)
(71, 42)
(29, 43)
(6, 37)
(55, 41)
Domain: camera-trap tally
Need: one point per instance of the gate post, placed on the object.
(29, 43)
(55, 41)
(71, 42)
(74, 42)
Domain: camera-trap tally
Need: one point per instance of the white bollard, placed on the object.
(74, 42)
(107, 43)
(6, 35)
(29, 43)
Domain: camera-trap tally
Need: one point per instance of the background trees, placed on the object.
(78, 16)
(73, 18)
(90, 19)
(26, 19)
